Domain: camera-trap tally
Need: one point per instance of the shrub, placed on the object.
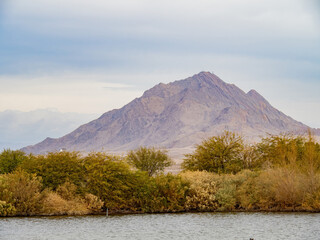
(87, 201)
(247, 193)
(312, 201)
(67, 190)
(65, 201)
(22, 190)
(280, 189)
(170, 194)
(6, 209)
(228, 189)
(54, 204)
(202, 190)
(226, 196)
(93, 203)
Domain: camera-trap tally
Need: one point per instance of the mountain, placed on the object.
(18, 129)
(177, 115)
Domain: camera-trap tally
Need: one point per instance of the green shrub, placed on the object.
(229, 189)
(170, 194)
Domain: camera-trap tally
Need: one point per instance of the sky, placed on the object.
(92, 56)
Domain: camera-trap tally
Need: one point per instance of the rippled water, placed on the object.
(166, 226)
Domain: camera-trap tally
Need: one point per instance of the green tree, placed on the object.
(280, 150)
(140, 196)
(149, 159)
(251, 157)
(170, 194)
(10, 159)
(311, 155)
(219, 154)
(109, 178)
(56, 168)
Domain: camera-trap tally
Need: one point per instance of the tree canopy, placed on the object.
(219, 154)
(150, 160)
(10, 159)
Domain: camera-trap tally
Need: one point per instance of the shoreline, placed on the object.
(122, 213)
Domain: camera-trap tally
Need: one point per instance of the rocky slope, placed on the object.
(177, 115)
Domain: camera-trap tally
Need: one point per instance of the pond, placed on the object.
(166, 226)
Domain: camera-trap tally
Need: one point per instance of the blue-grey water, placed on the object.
(166, 226)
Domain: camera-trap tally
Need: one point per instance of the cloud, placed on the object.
(138, 19)
(67, 93)
(112, 33)
(19, 129)
(99, 93)
(64, 54)
(181, 19)
(54, 36)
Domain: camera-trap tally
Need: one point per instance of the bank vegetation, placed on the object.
(280, 173)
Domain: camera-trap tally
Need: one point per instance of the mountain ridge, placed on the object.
(179, 114)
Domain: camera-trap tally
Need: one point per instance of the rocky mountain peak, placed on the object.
(177, 115)
(203, 80)
(256, 96)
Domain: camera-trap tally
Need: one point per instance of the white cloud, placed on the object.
(180, 18)
(271, 46)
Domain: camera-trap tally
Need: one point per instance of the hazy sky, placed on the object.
(92, 56)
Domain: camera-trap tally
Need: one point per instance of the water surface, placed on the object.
(166, 226)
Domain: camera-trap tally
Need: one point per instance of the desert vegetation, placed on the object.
(150, 160)
(280, 173)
